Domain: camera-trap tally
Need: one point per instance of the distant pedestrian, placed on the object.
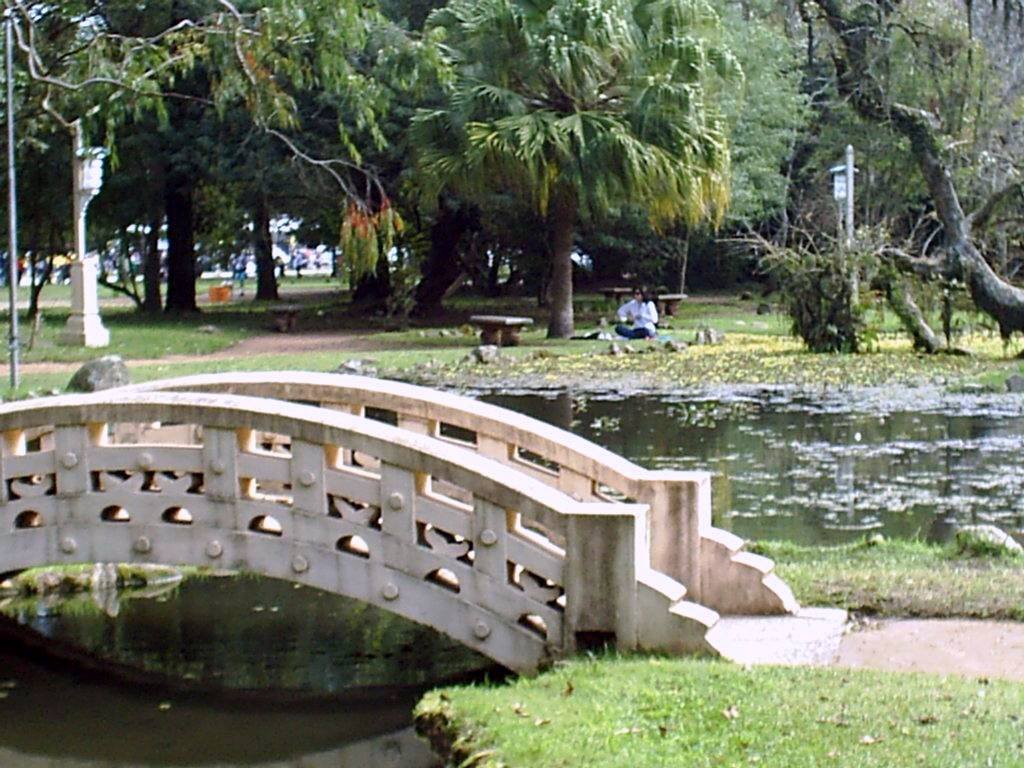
(238, 272)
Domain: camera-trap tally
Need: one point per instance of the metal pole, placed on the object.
(12, 203)
(855, 277)
(849, 195)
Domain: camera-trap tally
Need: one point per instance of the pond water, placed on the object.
(267, 675)
(820, 469)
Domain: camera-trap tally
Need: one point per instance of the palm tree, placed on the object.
(579, 106)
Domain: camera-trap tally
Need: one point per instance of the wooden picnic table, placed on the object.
(500, 329)
(285, 316)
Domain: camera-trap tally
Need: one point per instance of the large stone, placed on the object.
(1015, 383)
(357, 367)
(105, 372)
(973, 538)
(485, 354)
(708, 336)
(764, 308)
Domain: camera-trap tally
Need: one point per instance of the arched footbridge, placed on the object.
(518, 539)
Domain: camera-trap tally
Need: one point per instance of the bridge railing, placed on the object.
(347, 504)
(709, 561)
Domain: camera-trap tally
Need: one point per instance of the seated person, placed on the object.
(641, 312)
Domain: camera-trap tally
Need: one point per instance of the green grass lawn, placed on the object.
(757, 348)
(902, 578)
(645, 712)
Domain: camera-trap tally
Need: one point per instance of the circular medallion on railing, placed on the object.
(214, 550)
(143, 545)
(390, 591)
(300, 564)
(68, 545)
(69, 460)
(307, 478)
(218, 467)
(481, 630)
(396, 501)
(488, 537)
(145, 461)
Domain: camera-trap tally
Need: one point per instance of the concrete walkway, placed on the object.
(824, 637)
(812, 637)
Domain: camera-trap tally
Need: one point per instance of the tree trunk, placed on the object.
(374, 289)
(561, 225)
(908, 312)
(263, 245)
(682, 259)
(443, 269)
(856, 81)
(152, 301)
(181, 252)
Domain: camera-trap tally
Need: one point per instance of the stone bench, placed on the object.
(499, 329)
(668, 303)
(617, 293)
(285, 316)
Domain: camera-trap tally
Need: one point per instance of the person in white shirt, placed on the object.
(638, 318)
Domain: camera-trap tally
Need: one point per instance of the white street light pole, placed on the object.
(12, 203)
(84, 327)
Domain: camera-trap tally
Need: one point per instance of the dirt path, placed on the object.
(992, 649)
(344, 341)
(823, 637)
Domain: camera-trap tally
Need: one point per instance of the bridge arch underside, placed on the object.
(92, 534)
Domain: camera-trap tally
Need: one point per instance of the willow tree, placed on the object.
(579, 106)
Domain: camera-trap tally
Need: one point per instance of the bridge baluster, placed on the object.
(398, 487)
(220, 461)
(490, 539)
(12, 443)
(307, 476)
(71, 453)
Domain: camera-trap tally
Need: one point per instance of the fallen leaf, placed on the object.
(731, 713)
(868, 740)
(837, 721)
(567, 691)
(628, 731)
(520, 710)
(927, 719)
(541, 721)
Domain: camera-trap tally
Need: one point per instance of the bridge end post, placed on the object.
(680, 511)
(600, 577)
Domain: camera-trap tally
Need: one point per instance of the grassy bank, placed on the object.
(901, 578)
(683, 712)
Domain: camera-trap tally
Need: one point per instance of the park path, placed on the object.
(825, 637)
(342, 341)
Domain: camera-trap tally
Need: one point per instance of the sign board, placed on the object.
(839, 186)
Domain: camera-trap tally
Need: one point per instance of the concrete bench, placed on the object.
(499, 329)
(617, 294)
(285, 317)
(668, 303)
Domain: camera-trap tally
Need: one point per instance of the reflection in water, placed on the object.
(347, 674)
(822, 469)
(51, 719)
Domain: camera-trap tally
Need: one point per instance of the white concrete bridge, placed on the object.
(516, 538)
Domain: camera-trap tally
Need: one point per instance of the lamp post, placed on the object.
(84, 327)
(12, 204)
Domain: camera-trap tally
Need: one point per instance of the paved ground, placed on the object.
(824, 637)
